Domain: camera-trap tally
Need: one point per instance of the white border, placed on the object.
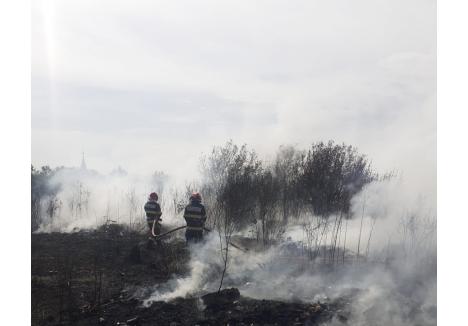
(15, 142)
(452, 162)
(16, 157)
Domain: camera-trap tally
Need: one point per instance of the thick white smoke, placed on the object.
(393, 227)
(204, 263)
(393, 280)
(86, 199)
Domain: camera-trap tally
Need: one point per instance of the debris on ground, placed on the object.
(89, 277)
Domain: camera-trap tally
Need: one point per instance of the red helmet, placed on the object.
(153, 196)
(195, 196)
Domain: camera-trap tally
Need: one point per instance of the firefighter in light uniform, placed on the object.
(153, 213)
(195, 216)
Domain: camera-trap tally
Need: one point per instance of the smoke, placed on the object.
(363, 73)
(86, 199)
(392, 282)
(204, 264)
(381, 261)
(400, 293)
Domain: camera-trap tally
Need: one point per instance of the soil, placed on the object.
(90, 277)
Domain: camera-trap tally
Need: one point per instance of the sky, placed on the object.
(150, 85)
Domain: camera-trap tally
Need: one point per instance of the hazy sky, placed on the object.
(151, 84)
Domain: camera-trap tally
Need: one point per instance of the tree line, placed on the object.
(240, 189)
(42, 191)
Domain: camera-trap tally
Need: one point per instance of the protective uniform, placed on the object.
(195, 216)
(153, 213)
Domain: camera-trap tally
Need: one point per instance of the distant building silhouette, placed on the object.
(83, 163)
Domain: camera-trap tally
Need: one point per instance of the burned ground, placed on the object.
(74, 274)
(90, 277)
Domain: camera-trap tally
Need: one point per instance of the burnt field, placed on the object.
(91, 278)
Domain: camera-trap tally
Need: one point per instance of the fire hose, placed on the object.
(157, 237)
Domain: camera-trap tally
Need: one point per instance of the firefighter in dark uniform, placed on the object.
(195, 216)
(153, 213)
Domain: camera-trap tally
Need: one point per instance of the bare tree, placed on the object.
(229, 174)
(288, 169)
(43, 195)
(269, 206)
(134, 205)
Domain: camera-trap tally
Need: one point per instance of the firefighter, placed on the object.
(195, 216)
(153, 213)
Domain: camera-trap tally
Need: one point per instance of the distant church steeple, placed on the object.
(83, 163)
